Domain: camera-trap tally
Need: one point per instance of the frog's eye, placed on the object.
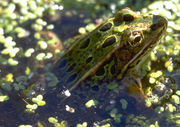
(128, 17)
(135, 38)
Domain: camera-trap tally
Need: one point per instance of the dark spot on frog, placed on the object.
(138, 62)
(88, 60)
(137, 39)
(62, 63)
(109, 60)
(106, 27)
(134, 64)
(98, 35)
(70, 60)
(71, 67)
(72, 78)
(85, 44)
(100, 71)
(128, 17)
(109, 41)
(113, 69)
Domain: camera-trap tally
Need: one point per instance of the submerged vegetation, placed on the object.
(29, 47)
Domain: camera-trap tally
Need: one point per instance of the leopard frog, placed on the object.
(117, 47)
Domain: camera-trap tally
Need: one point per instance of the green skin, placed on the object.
(117, 47)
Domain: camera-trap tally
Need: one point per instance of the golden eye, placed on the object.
(135, 38)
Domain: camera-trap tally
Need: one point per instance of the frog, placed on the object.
(118, 47)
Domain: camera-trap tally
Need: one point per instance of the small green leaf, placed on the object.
(52, 120)
(152, 80)
(124, 103)
(34, 106)
(42, 44)
(3, 98)
(175, 99)
(40, 56)
(41, 103)
(178, 92)
(91, 103)
(29, 52)
(12, 62)
(82, 30)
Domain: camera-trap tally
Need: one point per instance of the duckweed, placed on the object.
(152, 80)
(42, 44)
(175, 99)
(32, 107)
(12, 62)
(52, 120)
(9, 77)
(40, 56)
(29, 52)
(50, 27)
(91, 103)
(25, 126)
(49, 55)
(156, 74)
(82, 30)
(178, 92)
(171, 108)
(84, 124)
(39, 100)
(124, 104)
(3, 98)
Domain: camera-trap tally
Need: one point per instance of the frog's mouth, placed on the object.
(158, 28)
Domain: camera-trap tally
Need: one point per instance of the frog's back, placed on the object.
(113, 47)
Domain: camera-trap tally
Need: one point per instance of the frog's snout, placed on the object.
(158, 21)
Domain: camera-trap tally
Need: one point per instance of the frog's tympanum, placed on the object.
(117, 47)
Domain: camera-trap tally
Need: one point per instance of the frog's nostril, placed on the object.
(158, 21)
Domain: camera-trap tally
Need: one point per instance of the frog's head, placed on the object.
(140, 36)
(140, 30)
